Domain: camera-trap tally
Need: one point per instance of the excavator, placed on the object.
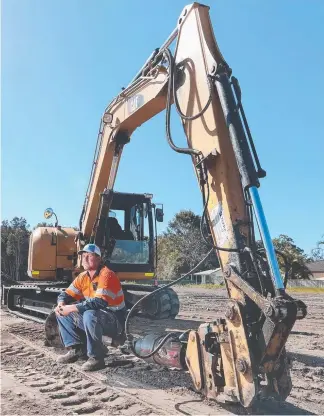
(240, 357)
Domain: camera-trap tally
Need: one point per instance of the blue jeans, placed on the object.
(93, 324)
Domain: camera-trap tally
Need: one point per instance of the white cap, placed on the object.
(91, 248)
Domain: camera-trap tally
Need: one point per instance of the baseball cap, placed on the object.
(90, 248)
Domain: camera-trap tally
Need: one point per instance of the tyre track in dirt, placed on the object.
(76, 392)
(73, 391)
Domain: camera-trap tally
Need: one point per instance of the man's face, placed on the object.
(90, 261)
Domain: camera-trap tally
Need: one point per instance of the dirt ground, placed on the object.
(32, 383)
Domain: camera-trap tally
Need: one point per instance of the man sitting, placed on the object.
(100, 310)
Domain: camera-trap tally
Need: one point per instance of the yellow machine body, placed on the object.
(52, 251)
(53, 255)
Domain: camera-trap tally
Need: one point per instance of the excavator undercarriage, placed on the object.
(37, 301)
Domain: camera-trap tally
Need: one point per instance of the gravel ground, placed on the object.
(160, 390)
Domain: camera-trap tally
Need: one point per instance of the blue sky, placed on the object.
(63, 61)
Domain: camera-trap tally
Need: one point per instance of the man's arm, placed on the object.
(91, 304)
(71, 294)
(64, 299)
(94, 304)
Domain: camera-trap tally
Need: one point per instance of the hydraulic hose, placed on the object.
(127, 333)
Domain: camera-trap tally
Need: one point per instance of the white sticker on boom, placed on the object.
(219, 224)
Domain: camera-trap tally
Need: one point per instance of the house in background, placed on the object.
(317, 269)
(214, 276)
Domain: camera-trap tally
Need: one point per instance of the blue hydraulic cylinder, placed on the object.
(265, 234)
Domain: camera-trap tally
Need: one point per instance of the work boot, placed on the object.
(71, 356)
(93, 363)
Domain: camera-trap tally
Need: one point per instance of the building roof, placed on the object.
(316, 266)
(207, 272)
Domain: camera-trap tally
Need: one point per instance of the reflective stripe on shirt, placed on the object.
(74, 289)
(109, 293)
(117, 308)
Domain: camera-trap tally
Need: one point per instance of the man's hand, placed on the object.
(60, 304)
(64, 310)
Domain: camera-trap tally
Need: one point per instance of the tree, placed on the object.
(181, 247)
(296, 257)
(318, 252)
(14, 248)
(168, 260)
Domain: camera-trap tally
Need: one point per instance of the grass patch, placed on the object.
(290, 289)
(297, 289)
(190, 285)
(306, 289)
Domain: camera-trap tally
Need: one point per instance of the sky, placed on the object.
(64, 61)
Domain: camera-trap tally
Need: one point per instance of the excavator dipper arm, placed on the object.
(242, 355)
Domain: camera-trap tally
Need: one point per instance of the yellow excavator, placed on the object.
(240, 357)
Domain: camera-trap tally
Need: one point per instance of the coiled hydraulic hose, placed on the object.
(131, 312)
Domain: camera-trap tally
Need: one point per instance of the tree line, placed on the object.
(180, 248)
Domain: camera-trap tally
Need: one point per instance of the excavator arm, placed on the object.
(135, 105)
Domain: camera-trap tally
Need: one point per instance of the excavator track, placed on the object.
(36, 301)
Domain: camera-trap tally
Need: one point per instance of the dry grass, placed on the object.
(306, 289)
(214, 286)
(204, 286)
(290, 289)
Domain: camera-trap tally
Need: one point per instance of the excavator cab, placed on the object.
(126, 233)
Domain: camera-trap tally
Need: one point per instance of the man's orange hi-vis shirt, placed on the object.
(105, 285)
